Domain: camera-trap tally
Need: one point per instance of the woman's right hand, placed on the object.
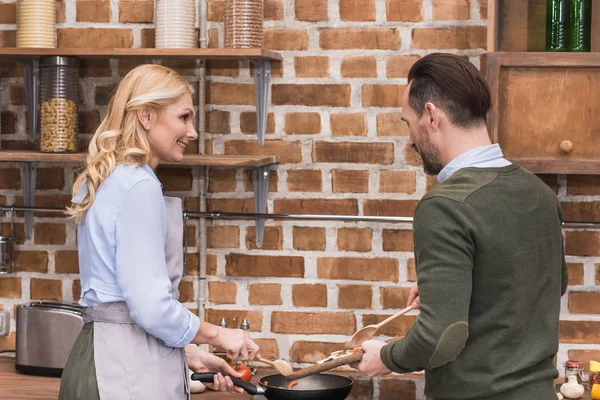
(238, 345)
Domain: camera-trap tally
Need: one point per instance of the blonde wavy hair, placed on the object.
(121, 138)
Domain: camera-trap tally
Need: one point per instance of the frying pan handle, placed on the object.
(208, 377)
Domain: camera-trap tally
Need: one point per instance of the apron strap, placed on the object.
(113, 313)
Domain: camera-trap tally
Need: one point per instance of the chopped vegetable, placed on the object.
(292, 384)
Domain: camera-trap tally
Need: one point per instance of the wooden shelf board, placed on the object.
(139, 53)
(543, 59)
(191, 159)
(550, 166)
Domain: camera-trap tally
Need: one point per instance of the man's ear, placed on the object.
(145, 117)
(434, 115)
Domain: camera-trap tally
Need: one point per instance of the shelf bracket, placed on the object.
(28, 177)
(261, 190)
(262, 79)
(31, 70)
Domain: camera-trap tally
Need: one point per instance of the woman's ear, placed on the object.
(145, 117)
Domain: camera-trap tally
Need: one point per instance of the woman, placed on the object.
(130, 255)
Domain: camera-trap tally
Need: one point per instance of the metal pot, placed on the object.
(320, 386)
(7, 254)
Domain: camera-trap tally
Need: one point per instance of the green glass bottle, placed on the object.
(557, 25)
(581, 25)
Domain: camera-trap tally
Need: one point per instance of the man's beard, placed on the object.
(430, 156)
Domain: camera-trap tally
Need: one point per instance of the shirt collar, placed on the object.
(150, 172)
(473, 157)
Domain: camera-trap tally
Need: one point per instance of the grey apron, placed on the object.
(130, 363)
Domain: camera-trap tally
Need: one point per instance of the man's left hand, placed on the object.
(203, 361)
(371, 363)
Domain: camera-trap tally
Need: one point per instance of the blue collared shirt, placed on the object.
(480, 157)
(121, 243)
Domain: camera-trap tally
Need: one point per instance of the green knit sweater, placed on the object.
(491, 271)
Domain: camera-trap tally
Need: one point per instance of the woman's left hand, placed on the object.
(203, 361)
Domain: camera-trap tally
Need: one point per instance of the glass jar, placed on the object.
(36, 23)
(593, 383)
(581, 25)
(175, 22)
(59, 92)
(243, 24)
(557, 25)
(574, 368)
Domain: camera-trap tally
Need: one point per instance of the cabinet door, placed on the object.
(547, 116)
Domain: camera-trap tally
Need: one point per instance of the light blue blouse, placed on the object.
(121, 243)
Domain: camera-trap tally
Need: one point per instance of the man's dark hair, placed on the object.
(452, 83)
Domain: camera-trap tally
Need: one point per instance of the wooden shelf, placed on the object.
(18, 53)
(190, 160)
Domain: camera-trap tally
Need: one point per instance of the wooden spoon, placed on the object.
(369, 331)
(282, 366)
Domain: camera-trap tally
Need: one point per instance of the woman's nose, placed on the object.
(192, 134)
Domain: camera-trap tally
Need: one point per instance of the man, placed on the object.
(488, 249)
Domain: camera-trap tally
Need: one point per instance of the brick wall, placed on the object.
(334, 122)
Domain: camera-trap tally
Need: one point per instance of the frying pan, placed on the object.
(321, 386)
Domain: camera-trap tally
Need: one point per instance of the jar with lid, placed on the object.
(36, 23)
(594, 380)
(574, 368)
(175, 22)
(59, 92)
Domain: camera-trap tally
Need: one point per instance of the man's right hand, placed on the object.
(413, 297)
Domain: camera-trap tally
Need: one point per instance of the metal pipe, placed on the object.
(305, 217)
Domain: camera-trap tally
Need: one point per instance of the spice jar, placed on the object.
(243, 22)
(36, 23)
(59, 80)
(594, 380)
(574, 368)
(175, 22)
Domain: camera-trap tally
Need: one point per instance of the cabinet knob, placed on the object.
(566, 146)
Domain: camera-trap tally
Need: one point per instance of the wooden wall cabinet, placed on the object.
(545, 106)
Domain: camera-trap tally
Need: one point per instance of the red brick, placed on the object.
(222, 292)
(218, 121)
(394, 388)
(584, 302)
(582, 243)
(348, 124)
(89, 121)
(60, 11)
(444, 10)
(137, 11)
(458, 37)
(285, 39)
(411, 270)
(221, 180)
(175, 179)
(215, 10)
(308, 238)
(302, 123)
(223, 237)
(289, 152)
(393, 296)
(186, 292)
(575, 273)
(9, 122)
(364, 269)
(355, 296)
(311, 10)
(397, 181)
(311, 352)
(18, 229)
(190, 232)
(46, 233)
(249, 184)
(10, 288)
(404, 10)
(311, 67)
(411, 157)
(309, 295)
(148, 38)
(483, 9)
(581, 212)
(585, 356)
(47, 201)
(273, 10)
(316, 206)
(264, 294)
(390, 208)
(94, 37)
(353, 152)
(8, 38)
(397, 240)
(254, 317)
(382, 95)
(350, 181)
(8, 342)
(354, 239)
(211, 264)
(313, 323)
(10, 178)
(276, 69)
(272, 239)
(304, 180)
(230, 93)
(311, 95)
(46, 289)
(93, 11)
(359, 67)
(248, 122)
(581, 332)
(431, 182)
(17, 95)
(230, 68)
(8, 13)
(104, 93)
(193, 264)
(359, 38)
(265, 266)
(213, 38)
(357, 10)
(396, 328)
(583, 185)
(31, 261)
(399, 66)
(230, 205)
